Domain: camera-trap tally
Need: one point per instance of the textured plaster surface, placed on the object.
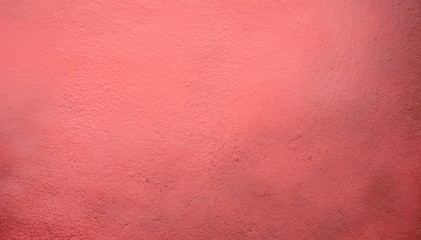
(210, 119)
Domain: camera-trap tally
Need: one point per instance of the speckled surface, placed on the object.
(289, 120)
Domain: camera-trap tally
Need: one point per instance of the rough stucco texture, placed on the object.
(210, 119)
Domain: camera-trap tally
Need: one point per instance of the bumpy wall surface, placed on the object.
(288, 120)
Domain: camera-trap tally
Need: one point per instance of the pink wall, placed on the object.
(210, 119)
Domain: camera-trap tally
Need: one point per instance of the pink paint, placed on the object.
(210, 119)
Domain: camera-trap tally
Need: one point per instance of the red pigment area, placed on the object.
(210, 120)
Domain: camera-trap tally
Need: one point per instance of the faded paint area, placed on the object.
(210, 119)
